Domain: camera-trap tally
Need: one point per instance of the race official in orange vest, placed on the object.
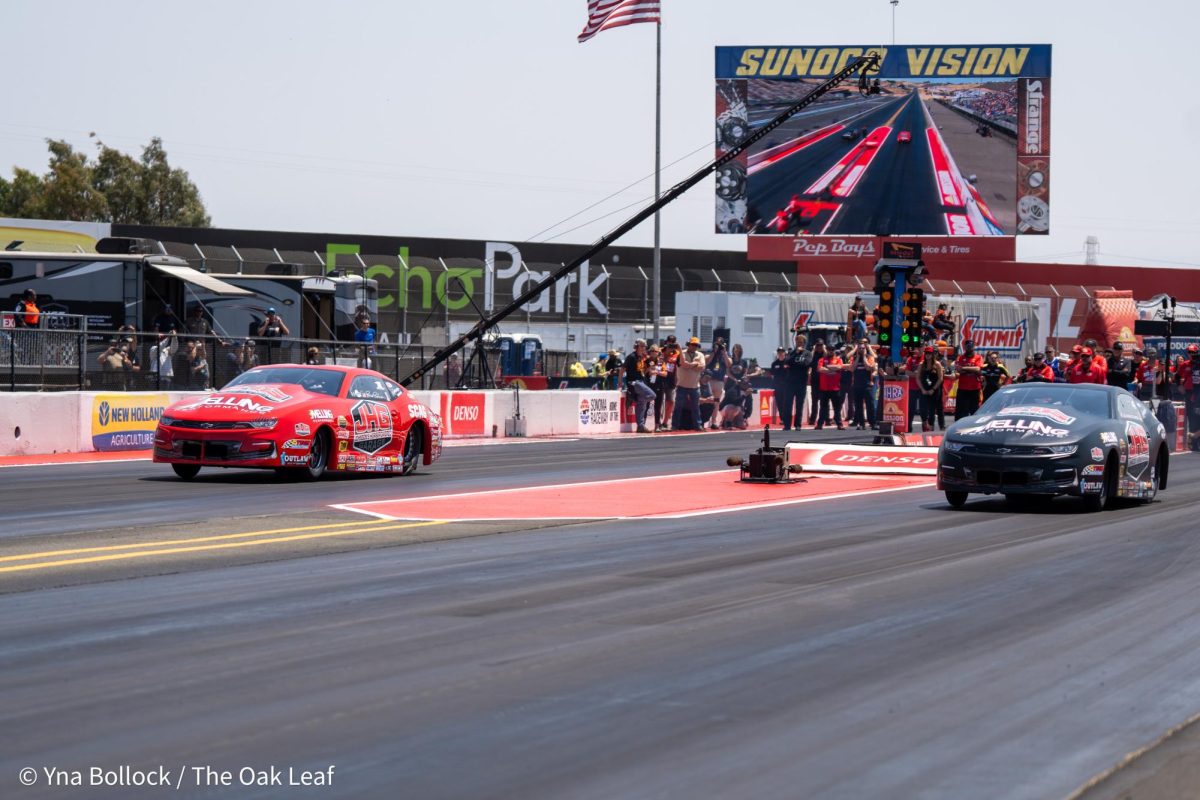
(27, 313)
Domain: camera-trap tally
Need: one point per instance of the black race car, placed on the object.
(1096, 442)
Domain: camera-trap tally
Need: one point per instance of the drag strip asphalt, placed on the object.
(876, 646)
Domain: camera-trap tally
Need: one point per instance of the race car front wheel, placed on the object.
(186, 471)
(318, 456)
(956, 499)
(1108, 490)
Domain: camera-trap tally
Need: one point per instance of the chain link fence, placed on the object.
(62, 354)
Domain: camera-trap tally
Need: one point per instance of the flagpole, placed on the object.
(657, 175)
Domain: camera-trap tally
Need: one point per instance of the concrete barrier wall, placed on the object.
(44, 423)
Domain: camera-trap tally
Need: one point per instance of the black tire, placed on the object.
(1155, 477)
(1108, 493)
(186, 471)
(414, 443)
(956, 499)
(318, 456)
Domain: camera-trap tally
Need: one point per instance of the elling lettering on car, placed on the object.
(1026, 427)
(247, 404)
(1052, 414)
(372, 426)
(320, 415)
(271, 394)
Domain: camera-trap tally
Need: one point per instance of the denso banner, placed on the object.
(865, 460)
(463, 413)
(126, 421)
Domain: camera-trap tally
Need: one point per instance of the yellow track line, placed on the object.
(223, 546)
(109, 548)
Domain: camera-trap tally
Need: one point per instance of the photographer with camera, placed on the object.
(242, 358)
(862, 384)
(737, 405)
(273, 327)
(119, 363)
(718, 363)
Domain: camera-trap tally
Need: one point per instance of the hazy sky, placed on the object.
(486, 119)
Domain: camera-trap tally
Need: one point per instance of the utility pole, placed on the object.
(894, 4)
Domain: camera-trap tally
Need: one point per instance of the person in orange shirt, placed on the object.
(829, 369)
(1039, 371)
(27, 314)
(969, 365)
(1086, 370)
(1097, 356)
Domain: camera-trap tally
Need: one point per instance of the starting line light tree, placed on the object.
(898, 276)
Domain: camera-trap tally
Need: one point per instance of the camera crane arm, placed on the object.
(871, 60)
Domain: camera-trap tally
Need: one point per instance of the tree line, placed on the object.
(114, 187)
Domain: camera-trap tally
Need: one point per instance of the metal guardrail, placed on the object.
(63, 354)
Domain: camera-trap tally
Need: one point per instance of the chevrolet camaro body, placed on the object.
(1096, 442)
(305, 418)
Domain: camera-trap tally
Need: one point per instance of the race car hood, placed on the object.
(1024, 426)
(244, 403)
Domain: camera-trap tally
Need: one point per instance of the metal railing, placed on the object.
(63, 354)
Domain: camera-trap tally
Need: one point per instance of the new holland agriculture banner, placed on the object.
(126, 421)
(932, 143)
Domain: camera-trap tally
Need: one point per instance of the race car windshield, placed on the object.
(318, 381)
(1085, 401)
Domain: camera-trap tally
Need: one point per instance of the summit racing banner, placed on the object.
(126, 421)
(866, 460)
(920, 146)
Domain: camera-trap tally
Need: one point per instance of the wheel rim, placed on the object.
(316, 455)
(412, 450)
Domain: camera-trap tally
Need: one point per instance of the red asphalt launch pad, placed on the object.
(664, 497)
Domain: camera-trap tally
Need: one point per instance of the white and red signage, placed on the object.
(463, 413)
(867, 249)
(895, 404)
(865, 460)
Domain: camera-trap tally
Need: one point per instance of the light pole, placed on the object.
(894, 4)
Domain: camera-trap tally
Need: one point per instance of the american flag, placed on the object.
(605, 14)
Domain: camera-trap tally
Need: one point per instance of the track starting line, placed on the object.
(667, 497)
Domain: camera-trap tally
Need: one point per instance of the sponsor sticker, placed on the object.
(264, 391)
(1091, 487)
(320, 415)
(1097, 454)
(290, 459)
(343, 447)
(297, 444)
(1052, 414)
(302, 430)
(1026, 427)
(372, 426)
(247, 404)
(1108, 437)
(342, 434)
(1139, 443)
(1092, 469)
(417, 410)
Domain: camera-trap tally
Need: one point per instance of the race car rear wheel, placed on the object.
(318, 456)
(956, 499)
(186, 471)
(413, 443)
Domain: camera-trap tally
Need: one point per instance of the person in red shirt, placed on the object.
(1097, 356)
(1086, 370)
(829, 368)
(1186, 376)
(968, 366)
(1039, 371)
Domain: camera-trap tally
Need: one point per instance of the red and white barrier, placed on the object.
(864, 459)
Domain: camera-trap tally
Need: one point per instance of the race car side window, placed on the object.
(396, 390)
(366, 387)
(1128, 408)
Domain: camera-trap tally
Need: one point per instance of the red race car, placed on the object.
(308, 419)
(903, 137)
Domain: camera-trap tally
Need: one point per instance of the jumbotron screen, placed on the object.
(941, 140)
